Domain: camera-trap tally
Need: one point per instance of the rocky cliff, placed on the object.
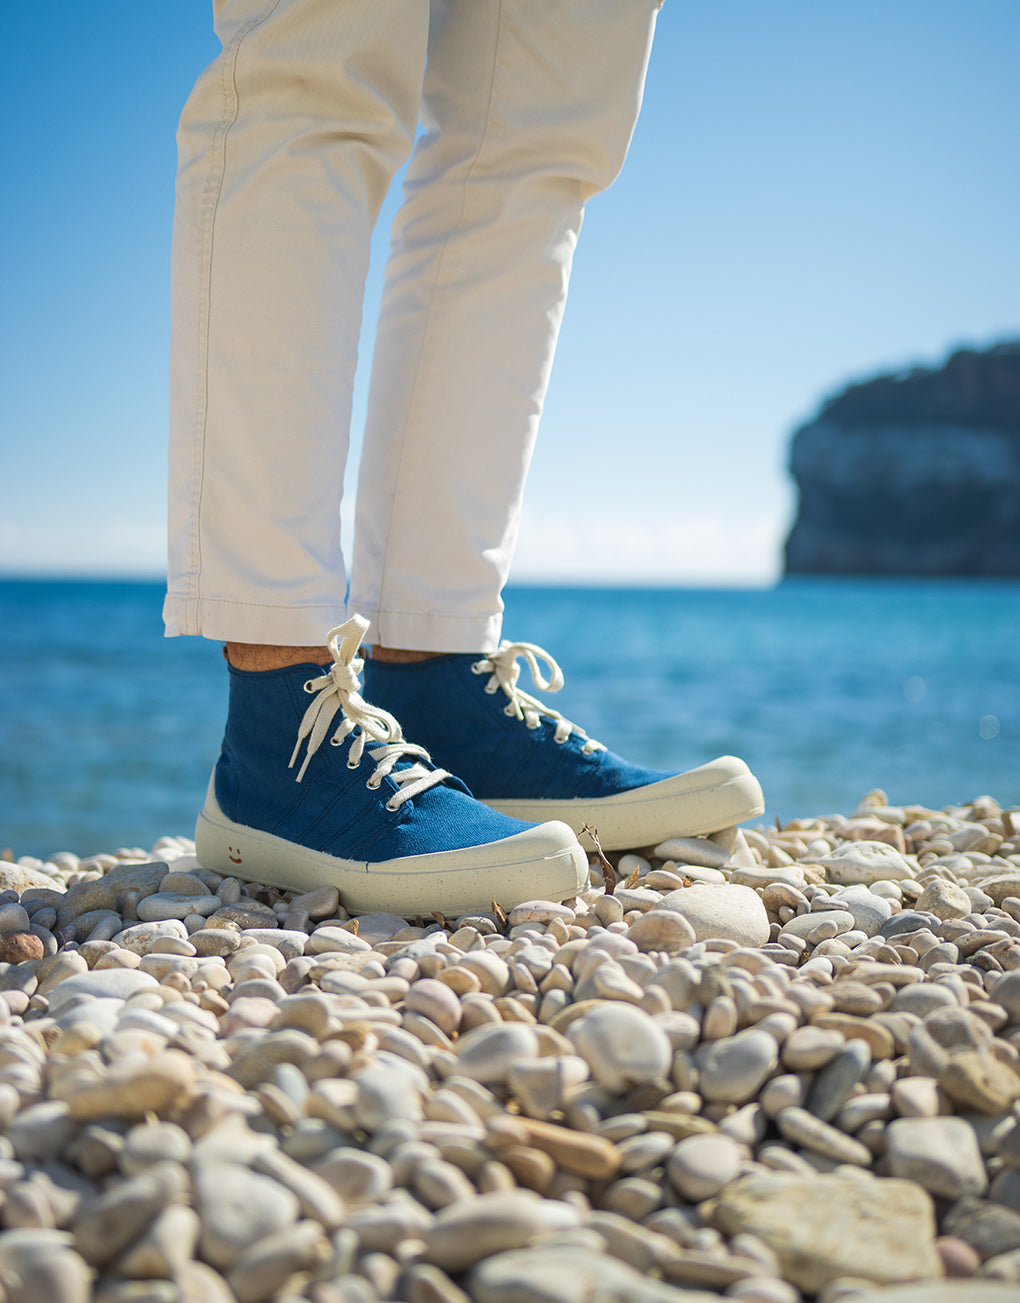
(916, 473)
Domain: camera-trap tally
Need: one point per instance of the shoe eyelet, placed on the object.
(374, 784)
(391, 807)
(335, 742)
(310, 686)
(492, 688)
(478, 667)
(353, 764)
(508, 710)
(560, 741)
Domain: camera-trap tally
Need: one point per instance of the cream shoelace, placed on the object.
(503, 667)
(337, 690)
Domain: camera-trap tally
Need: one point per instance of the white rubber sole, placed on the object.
(541, 863)
(701, 801)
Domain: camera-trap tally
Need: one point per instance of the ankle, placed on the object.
(399, 656)
(258, 656)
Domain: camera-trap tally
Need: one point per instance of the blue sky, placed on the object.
(816, 191)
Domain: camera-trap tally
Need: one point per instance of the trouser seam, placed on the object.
(210, 204)
(433, 294)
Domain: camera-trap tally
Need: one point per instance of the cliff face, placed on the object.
(914, 474)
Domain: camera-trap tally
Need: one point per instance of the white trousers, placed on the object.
(287, 146)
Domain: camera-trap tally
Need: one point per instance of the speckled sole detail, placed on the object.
(544, 862)
(714, 796)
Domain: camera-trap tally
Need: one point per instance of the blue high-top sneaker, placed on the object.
(368, 813)
(525, 760)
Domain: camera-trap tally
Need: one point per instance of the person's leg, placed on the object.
(530, 111)
(287, 146)
(529, 108)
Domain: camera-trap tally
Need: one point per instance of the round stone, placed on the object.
(700, 1166)
(661, 929)
(622, 1045)
(435, 1000)
(730, 1071)
(487, 1053)
(728, 910)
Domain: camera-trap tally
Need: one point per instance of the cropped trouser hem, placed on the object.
(423, 631)
(252, 622)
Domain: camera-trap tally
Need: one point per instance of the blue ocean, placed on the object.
(827, 688)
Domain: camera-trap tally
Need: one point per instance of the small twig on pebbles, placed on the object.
(441, 920)
(500, 913)
(608, 872)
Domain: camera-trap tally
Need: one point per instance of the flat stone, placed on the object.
(16, 877)
(564, 1274)
(539, 911)
(692, 850)
(940, 1291)
(134, 1087)
(866, 862)
(661, 929)
(329, 938)
(140, 936)
(819, 925)
(732, 912)
(165, 904)
(376, 927)
(940, 1154)
(579, 1152)
(977, 1080)
(823, 1227)
(802, 1128)
(465, 1233)
(102, 984)
(143, 878)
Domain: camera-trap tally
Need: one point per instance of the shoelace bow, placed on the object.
(502, 665)
(337, 690)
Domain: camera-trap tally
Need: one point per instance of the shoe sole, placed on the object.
(542, 863)
(704, 800)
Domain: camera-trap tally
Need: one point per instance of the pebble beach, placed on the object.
(778, 1064)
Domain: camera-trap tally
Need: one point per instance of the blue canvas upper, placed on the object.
(332, 809)
(450, 705)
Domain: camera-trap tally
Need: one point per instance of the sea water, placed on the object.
(827, 688)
